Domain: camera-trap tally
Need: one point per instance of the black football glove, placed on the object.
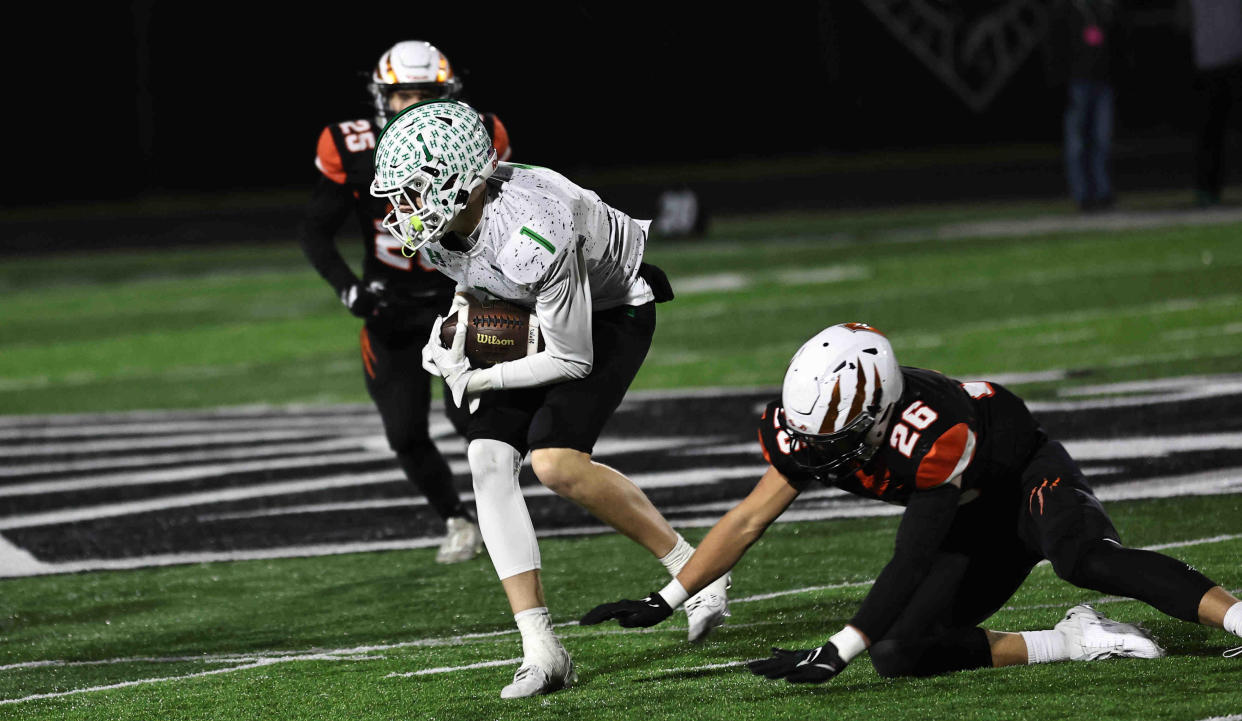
(361, 300)
(630, 614)
(811, 665)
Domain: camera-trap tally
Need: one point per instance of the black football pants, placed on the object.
(987, 556)
(401, 390)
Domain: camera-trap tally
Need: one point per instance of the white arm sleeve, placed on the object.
(563, 306)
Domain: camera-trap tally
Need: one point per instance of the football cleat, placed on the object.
(708, 608)
(462, 542)
(1091, 636)
(534, 679)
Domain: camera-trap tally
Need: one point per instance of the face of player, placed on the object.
(399, 100)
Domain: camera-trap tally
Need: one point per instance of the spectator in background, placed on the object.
(1216, 30)
(1082, 53)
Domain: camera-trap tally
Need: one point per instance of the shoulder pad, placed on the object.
(328, 158)
(346, 150)
(947, 458)
(529, 255)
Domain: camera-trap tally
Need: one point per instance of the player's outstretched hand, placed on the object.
(630, 614)
(811, 665)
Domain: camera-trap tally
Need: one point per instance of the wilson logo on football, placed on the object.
(493, 340)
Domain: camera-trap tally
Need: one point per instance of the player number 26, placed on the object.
(918, 416)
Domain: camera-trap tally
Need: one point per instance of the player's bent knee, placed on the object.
(1083, 565)
(559, 469)
(891, 660)
(491, 461)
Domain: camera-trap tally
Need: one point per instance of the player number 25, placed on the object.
(358, 135)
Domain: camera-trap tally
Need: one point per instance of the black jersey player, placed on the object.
(987, 495)
(399, 295)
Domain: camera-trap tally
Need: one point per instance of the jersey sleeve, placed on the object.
(947, 458)
(562, 304)
(328, 158)
(920, 535)
(329, 206)
(777, 446)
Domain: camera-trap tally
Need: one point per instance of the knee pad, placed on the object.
(501, 509)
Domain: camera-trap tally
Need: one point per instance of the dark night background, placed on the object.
(155, 98)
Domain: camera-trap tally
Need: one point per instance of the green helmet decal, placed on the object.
(427, 160)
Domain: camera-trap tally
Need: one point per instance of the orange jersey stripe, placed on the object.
(328, 158)
(949, 456)
(368, 355)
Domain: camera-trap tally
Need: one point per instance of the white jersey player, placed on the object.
(532, 237)
(552, 246)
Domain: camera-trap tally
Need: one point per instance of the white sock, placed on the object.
(1045, 646)
(676, 559)
(1233, 619)
(539, 643)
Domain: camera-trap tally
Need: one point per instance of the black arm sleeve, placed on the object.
(330, 204)
(923, 528)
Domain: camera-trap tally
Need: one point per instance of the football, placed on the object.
(498, 331)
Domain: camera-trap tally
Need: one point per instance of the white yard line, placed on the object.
(1086, 449)
(186, 474)
(211, 456)
(360, 653)
(352, 425)
(826, 507)
(173, 441)
(453, 669)
(147, 681)
(705, 667)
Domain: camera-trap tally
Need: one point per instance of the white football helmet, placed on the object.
(839, 394)
(427, 160)
(411, 65)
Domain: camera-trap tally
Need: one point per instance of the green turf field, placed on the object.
(338, 637)
(225, 326)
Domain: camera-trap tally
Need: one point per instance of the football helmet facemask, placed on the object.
(410, 65)
(838, 395)
(427, 161)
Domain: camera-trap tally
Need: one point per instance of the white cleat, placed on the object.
(1091, 636)
(708, 608)
(462, 542)
(534, 679)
